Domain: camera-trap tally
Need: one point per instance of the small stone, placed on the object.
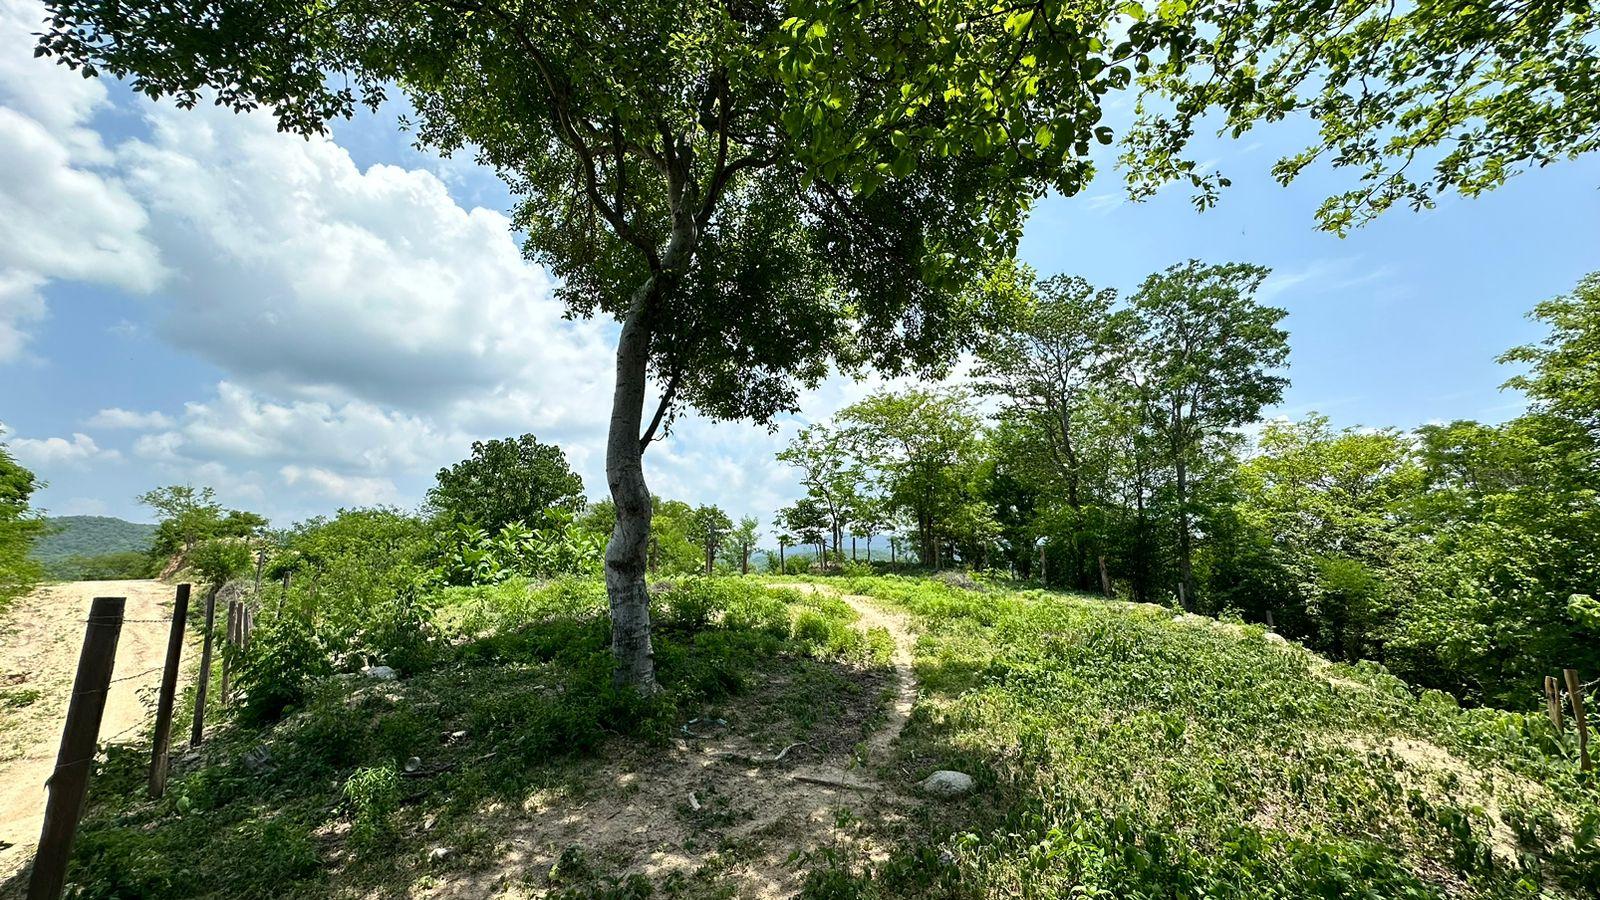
(945, 783)
(380, 673)
(413, 764)
(1273, 637)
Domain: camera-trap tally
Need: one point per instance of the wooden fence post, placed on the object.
(69, 783)
(230, 643)
(1575, 695)
(1552, 702)
(169, 689)
(198, 733)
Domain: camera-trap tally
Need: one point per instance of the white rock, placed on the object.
(945, 783)
(380, 673)
(438, 854)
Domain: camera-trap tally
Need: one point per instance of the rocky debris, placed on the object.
(258, 760)
(380, 673)
(946, 783)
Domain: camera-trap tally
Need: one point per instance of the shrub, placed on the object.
(282, 659)
(373, 794)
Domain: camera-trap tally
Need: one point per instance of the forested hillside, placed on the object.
(68, 536)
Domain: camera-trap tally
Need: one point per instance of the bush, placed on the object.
(282, 659)
(373, 794)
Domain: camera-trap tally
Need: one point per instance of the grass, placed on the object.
(1121, 752)
(518, 708)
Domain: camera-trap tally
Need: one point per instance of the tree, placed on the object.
(19, 527)
(1205, 358)
(1479, 92)
(1564, 369)
(699, 172)
(516, 480)
(1044, 370)
(218, 559)
(808, 522)
(830, 475)
(785, 541)
(742, 541)
(1325, 508)
(189, 516)
(924, 445)
(711, 526)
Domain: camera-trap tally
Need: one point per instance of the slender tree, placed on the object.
(1207, 361)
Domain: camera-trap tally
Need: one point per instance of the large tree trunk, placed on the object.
(626, 554)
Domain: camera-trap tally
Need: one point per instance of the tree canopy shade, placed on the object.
(516, 480)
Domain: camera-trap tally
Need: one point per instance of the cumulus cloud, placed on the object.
(116, 417)
(302, 272)
(347, 489)
(47, 453)
(63, 214)
(238, 425)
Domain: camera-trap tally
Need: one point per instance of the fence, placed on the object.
(68, 784)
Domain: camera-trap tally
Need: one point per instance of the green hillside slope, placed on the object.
(71, 536)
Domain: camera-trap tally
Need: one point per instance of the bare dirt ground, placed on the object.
(40, 638)
(716, 806)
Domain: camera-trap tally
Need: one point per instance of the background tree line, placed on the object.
(1110, 441)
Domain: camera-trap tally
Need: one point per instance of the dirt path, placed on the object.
(40, 638)
(773, 805)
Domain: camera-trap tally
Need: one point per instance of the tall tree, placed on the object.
(711, 527)
(1044, 370)
(516, 480)
(1206, 361)
(830, 473)
(700, 172)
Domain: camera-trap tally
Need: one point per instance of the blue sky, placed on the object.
(192, 297)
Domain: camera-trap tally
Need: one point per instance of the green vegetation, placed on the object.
(517, 481)
(1462, 556)
(20, 526)
(516, 702)
(78, 548)
(1123, 752)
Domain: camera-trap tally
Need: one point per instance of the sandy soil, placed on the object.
(40, 638)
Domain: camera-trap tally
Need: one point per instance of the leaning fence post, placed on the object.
(1575, 694)
(198, 733)
(69, 783)
(169, 689)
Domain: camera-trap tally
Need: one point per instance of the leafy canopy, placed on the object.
(513, 481)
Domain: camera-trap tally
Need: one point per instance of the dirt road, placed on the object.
(40, 637)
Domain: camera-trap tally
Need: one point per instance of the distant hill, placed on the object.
(71, 536)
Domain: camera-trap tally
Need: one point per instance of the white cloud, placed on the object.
(302, 273)
(116, 417)
(45, 453)
(239, 426)
(61, 215)
(350, 489)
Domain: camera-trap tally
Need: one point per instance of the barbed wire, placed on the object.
(115, 680)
